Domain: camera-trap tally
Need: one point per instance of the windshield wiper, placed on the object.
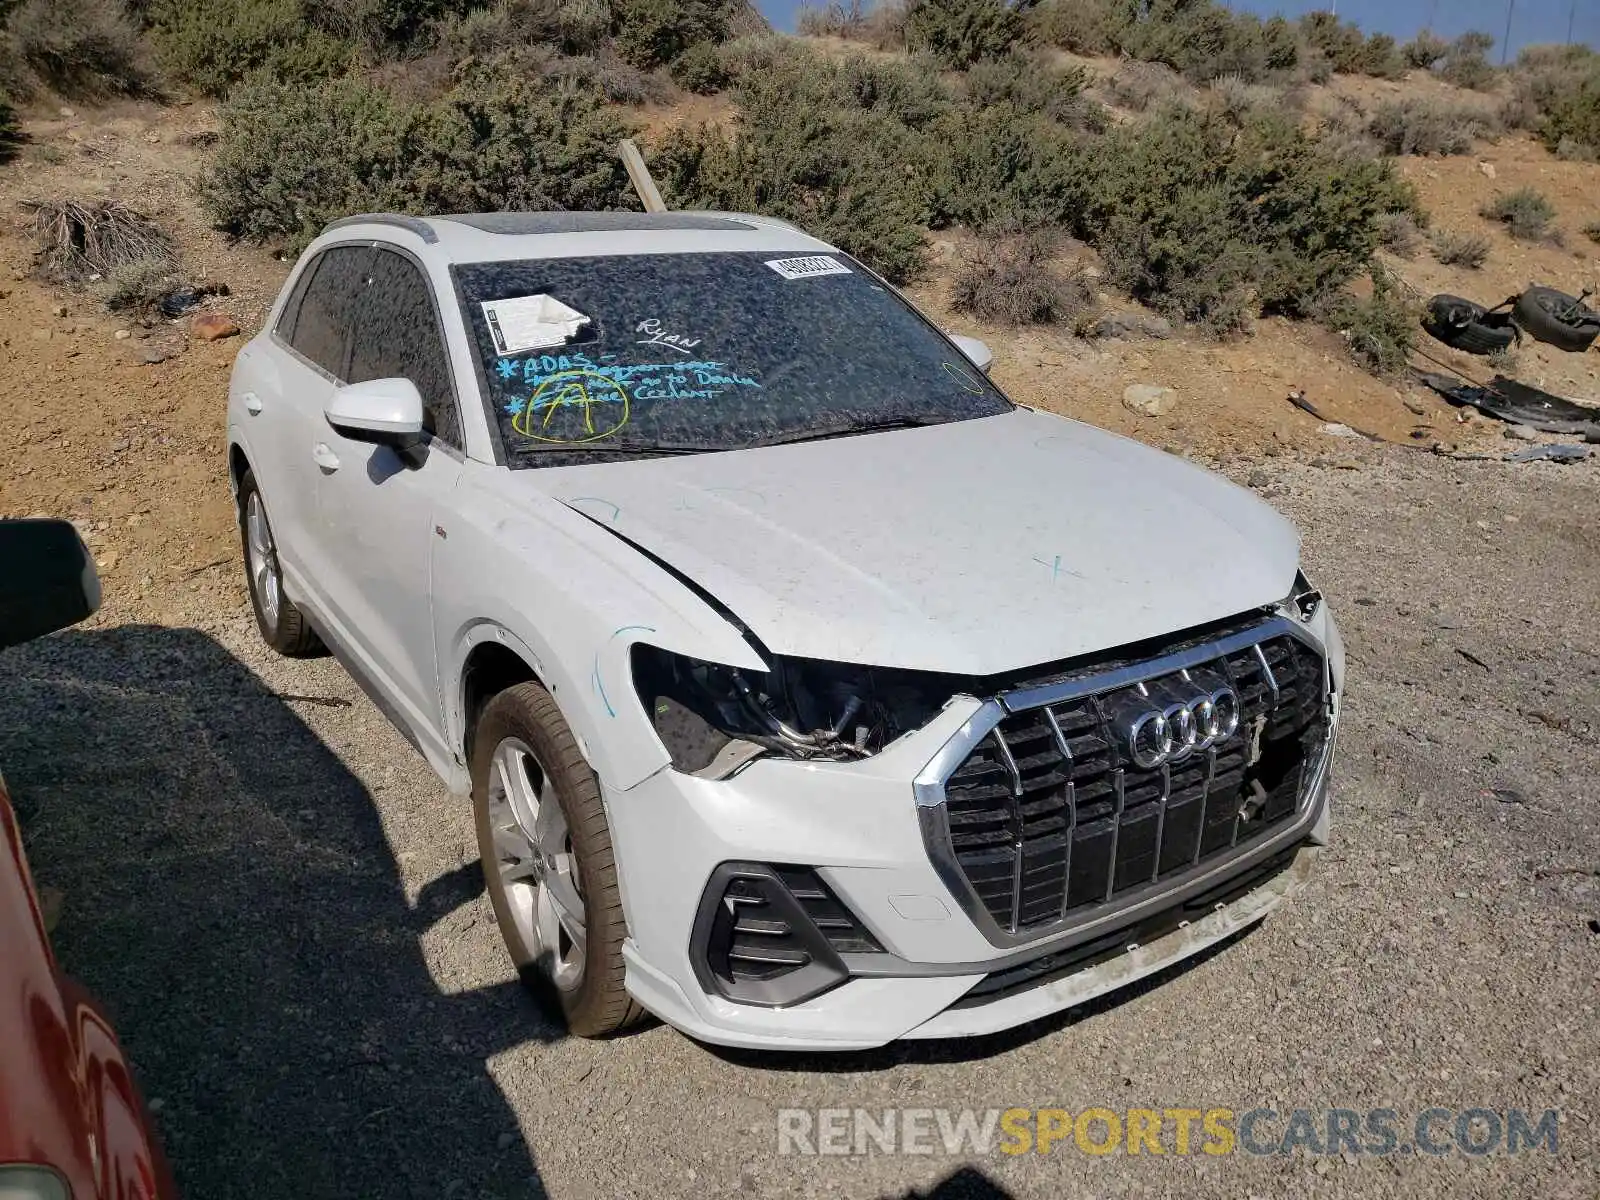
(613, 448)
(846, 429)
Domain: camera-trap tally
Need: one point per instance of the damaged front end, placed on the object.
(713, 718)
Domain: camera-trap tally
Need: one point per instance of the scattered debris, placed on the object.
(322, 701)
(1333, 428)
(1522, 433)
(1474, 659)
(1339, 429)
(123, 335)
(1129, 325)
(1556, 452)
(210, 327)
(151, 353)
(1487, 168)
(1517, 402)
(1507, 795)
(1149, 400)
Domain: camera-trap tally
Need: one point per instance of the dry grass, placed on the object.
(75, 241)
(1470, 250)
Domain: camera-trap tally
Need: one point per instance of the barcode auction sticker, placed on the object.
(805, 268)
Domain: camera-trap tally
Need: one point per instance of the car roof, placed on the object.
(496, 237)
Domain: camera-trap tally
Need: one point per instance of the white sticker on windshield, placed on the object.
(531, 323)
(805, 268)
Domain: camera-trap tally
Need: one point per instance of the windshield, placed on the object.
(583, 358)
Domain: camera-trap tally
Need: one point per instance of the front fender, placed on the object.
(570, 600)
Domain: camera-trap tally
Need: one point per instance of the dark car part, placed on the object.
(1518, 403)
(801, 708)
(771, 935)
(1563, 321)
(1460, 323)
(47, 579)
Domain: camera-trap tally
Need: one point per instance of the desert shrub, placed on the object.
(1573, 116)
(138, 285)
(292, 158)
(1470, 250)
(759, 52)
(1428, 127)
(1526, 213)
(1203, 220)
(74, 241)
(1032, 86)
(605, 75)
(572, 27)
(213, 45)
(1142, 85)
(1424, 50)
(882, 25)
(1381, 330)
(1466, 64)
(960, 32)
(1592, 231)
(699, 69)
(999, 166)
(1346, 134)
(1347, 50)
(651, 33)
(10, 131)
(1092, 27)
(1399, 234)
(1204, 40)
(1011, 279)
(1236, 100)
(85, 48)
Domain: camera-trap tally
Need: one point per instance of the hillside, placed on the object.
(145, 474)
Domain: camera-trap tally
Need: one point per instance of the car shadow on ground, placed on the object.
(966, 1183)
(231, 897)
(960, 1050)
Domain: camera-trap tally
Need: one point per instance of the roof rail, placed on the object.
(414, 225)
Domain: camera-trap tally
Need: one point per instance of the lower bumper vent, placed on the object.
(771, 935)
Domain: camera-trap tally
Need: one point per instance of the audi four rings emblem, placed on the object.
(1171, 734)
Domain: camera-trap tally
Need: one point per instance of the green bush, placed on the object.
(86, 48)
(1425, 50)
(960, 32)
(699, 69)
(1348, 50)
(1380, 330)
(1573, 116)
(1466, 64)
(1203, 220)
(1012, 280)
(1428, 127)
(1526, 213)
(651, 33)
(1031, 85)
(212, 45)
(1091, 27)
(10, 131)
(292, 158)
(1204, 40)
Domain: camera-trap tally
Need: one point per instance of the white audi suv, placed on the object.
(809, 692)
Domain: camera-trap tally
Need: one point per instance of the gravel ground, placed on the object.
(283, 911)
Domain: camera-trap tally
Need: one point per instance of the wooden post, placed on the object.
(649, 195)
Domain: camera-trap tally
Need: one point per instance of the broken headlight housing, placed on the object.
(799, 708)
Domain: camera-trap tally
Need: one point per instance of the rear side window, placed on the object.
(319, 317)
(397, 335)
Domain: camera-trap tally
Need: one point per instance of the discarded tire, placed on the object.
(1468, 326)
(1557, 318)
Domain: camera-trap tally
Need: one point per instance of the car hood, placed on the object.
(976, 547)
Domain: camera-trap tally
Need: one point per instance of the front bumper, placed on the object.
(857, 825)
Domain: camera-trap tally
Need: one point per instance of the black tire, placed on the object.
(1467, 326)
(598, 1004)
(287, 631)
(1536, 311)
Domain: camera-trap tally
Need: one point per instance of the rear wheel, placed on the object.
(1467, 326)
(282, 625)
(547, 860)
(1557, 318)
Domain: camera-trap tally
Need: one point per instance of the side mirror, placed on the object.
(47, 579)
(977, 352)
(387, 411)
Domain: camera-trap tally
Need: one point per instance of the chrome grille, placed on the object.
(1048, 817)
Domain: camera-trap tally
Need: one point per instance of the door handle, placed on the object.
(252, 403)
(324, 457)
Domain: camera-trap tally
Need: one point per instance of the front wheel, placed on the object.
(547, 861)
(282, 625)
